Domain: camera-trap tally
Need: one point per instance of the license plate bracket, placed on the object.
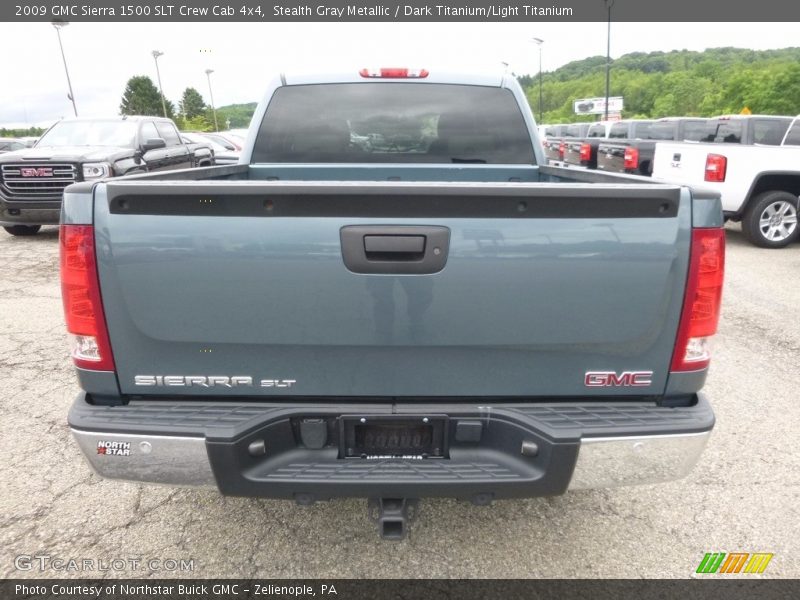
(368, 437)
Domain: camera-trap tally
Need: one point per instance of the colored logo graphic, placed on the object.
(734, 562)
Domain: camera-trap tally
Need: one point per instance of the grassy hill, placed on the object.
(239, 114)
(677, 83)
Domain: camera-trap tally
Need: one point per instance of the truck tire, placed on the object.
(770, 220)
(23, 229)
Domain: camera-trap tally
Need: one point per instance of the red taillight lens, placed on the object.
(80, 292)
(702, 299)
(394, 73)
(631, 158)
(562, 147)
(716, 167)
(586, 152)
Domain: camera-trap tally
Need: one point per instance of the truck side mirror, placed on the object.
(153, 144)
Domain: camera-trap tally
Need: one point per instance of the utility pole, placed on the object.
(58, 26)
(210, 93)
(539, 43)
(156, 54)
(609, 4)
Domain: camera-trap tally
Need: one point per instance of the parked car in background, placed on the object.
(574, 149)
(551, 139)
(201, 150)
(557, 145)
(588, 152)
(622, 154)
(230, 141)
(759, 184)
(11, 144)
(222, 156)
(32, 180)
(239, 132)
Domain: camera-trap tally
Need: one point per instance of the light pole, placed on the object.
(539, 43)
(211, 94)
(609, 4)
(58, 25)
(156, 54)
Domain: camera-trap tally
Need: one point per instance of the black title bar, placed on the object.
(409, 11)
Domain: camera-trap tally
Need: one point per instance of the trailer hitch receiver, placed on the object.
(393, 516)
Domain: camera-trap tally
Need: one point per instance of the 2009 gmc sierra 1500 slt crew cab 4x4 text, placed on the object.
(433, 313)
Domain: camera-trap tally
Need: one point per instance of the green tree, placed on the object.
(199, 123)
(192, 104)
(29, 132)
(141, 97)
(681, 95)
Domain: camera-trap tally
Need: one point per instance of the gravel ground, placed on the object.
(743, 496)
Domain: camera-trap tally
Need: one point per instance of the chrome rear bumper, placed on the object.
(568, 458)
(602, 462)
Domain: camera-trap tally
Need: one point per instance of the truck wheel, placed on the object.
(23, 229)
(770, 220)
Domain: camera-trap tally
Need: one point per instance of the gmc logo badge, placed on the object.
(612, 379)
(36, 172)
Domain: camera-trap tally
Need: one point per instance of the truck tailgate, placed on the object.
(507, 290)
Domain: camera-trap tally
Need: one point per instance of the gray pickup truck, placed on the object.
(432, 313)
(622, 154)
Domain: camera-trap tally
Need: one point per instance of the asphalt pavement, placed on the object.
(743, 496)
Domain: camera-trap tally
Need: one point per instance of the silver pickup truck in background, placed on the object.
(392, 297)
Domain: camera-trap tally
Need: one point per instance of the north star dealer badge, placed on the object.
(114, 448)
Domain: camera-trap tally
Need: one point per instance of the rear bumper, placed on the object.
(523, 450)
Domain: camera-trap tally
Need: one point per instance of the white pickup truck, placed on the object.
(759, 184)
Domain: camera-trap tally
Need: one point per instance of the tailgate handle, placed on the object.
(395, 249)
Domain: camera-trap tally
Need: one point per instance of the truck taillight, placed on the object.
(394, 73)
(701, 301)
(586, 152)
(631, 158)
(562, 148)
(716, 167)
(80, 292)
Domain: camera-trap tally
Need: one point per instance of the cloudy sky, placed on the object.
(103, 56)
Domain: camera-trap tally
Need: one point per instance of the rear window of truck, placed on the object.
(638, 130)
(391, 123)
(731, 131)
(769, 132)
(597, 131)
(793, 137)
(693, 131)
(574, 131)
(618, 131)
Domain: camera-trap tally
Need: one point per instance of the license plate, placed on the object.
(414, 437)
